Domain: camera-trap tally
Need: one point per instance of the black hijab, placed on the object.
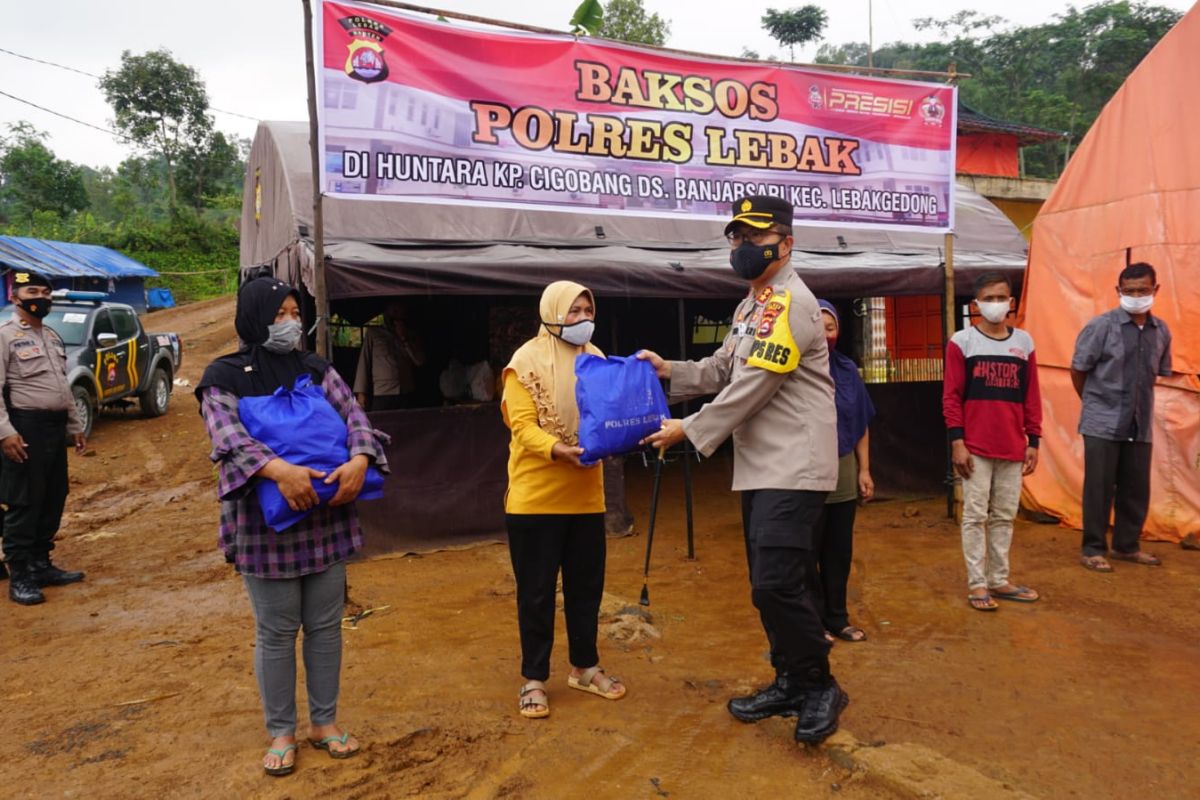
(254, 370)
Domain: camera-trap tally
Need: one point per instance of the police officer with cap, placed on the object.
(774, 395)
(37, 418)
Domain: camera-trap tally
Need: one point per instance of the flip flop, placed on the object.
(323, 744)
(1095, 563)
(584, 684)
(1016, 596)
(989, 603)
(851, 634)
(282, 769)
(1139, 557)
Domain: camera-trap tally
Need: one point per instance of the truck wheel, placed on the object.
(84, 407)
(157, 396)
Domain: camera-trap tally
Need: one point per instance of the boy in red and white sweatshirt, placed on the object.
(993, 412)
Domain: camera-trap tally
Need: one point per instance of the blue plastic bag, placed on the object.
(300, 426)
(620, 403)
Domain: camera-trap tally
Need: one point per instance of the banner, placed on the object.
(417, 110)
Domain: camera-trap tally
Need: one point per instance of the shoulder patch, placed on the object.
(774, 348)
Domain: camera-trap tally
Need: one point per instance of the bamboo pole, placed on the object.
(535, 29)
(320, 297)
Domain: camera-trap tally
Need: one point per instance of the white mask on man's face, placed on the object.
(1137, 305)
(993, 312)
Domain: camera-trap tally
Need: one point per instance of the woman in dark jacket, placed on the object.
(834, 548)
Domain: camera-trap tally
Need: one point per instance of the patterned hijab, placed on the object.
(545, 365)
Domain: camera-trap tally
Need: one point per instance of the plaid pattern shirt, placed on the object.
(324, 537)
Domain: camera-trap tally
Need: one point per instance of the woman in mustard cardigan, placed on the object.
(554, 507)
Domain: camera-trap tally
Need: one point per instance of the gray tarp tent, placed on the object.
(449, 472)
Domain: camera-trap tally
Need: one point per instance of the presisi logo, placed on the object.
(849, 101)
(366, 61)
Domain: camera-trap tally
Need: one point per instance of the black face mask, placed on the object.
(750, 260)
(37, 307)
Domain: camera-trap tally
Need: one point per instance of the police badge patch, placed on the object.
(366, 62)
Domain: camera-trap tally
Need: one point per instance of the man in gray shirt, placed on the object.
(1117, 356)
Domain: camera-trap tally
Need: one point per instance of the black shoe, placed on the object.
(22, 588)
(819, 717)
(3, 571)
(46, 574)
(783, 698)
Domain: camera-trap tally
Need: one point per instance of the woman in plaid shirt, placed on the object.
(297, 577)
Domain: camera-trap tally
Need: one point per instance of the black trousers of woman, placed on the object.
(833, 551)
(540, 545)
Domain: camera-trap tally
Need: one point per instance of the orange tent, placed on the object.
(1130, 193)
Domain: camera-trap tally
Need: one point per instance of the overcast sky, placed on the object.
(250, 53)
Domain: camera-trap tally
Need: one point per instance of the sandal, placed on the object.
(851, 634)
(1023, 594)
(282, 769)
(1095, 563)
(529, 706)
(1140, 557)
(616, 689)
(982, 602)
(324, 744)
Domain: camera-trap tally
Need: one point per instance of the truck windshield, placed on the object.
(68, 323)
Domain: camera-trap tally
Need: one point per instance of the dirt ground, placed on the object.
(139, 682)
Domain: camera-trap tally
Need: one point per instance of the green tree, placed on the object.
(795, 26)
(161, 105)
(628, 21)
(33, 179)
(214, 169)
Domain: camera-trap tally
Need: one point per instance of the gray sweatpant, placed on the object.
(281, 607)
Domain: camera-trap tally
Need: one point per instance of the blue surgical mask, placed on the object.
(283, 337)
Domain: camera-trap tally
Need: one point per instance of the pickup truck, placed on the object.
(111, 359)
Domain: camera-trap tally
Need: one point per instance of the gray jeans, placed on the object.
(281, 607)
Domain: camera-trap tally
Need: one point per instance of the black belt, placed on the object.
(38, 414)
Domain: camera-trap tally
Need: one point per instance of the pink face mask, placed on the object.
(831, 343)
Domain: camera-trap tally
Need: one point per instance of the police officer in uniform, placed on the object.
(37, 419)
(774, 395)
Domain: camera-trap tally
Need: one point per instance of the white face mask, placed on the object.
(993, 312)
(1136, 305)
(283, 337)
(579, 333)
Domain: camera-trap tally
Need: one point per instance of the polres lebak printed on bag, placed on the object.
(300, 426)
(620, 402)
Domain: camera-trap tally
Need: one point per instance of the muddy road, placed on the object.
(139, 682)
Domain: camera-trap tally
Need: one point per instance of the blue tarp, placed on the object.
(69, 259)
(159, 298)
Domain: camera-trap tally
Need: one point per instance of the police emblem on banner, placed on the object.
(366, 61)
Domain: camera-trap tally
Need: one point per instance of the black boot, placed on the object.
(46, 574)
(819, 717)
(783, 698)
(22, 588)
(3, 571)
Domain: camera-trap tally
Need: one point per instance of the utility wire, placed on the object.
(64, 116)
(98, 77)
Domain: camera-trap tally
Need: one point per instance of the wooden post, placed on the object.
(320, 298)
(953, 485)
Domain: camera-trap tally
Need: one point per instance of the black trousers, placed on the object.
(540, 545)
(1120, 472)
(834, 551)
(779, 528)
(35, 491)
